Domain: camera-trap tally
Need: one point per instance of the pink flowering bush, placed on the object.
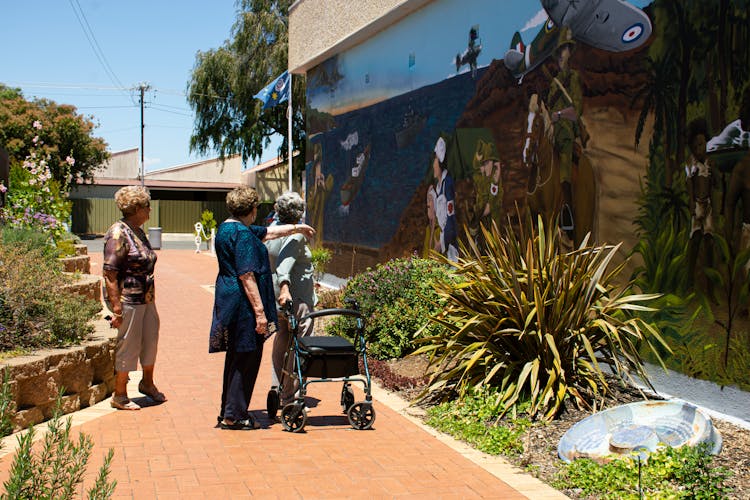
(36, 200)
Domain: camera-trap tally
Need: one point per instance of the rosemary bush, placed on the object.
(33, 312)
(56, 470)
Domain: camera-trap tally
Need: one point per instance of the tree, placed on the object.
(229, 120)
(64, 134)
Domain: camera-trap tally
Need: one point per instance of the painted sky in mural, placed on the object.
(420, 51)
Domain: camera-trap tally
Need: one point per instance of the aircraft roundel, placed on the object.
(549, 25)
(633, 33)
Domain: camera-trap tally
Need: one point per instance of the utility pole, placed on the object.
(143, 87)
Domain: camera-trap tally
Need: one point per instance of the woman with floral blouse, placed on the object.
(128, 269)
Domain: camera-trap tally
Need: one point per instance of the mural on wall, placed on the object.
(626, 120)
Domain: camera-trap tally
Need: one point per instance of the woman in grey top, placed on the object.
(291, 263)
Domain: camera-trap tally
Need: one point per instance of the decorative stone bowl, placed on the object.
(641, 427)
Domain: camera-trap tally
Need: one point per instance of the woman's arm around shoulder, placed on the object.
(282, 230)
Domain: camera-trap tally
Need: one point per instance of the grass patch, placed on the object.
(474, 419)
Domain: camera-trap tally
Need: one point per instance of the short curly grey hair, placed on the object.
(130, 198)
(290, 206)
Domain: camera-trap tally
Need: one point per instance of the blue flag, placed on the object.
(275, 92)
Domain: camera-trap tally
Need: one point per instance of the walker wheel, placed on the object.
(347, 398)
(273, 401)
(293, 417)
(361, 415)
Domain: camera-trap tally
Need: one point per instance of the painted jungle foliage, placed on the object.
(628, 120)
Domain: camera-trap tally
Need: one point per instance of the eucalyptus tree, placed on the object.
(224, 81)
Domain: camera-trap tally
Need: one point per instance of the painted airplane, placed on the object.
(471, 53)
(612, 25)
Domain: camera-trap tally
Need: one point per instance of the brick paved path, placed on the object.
(174, 451)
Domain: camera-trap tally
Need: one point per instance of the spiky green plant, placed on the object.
(55, 469)
(536, 322)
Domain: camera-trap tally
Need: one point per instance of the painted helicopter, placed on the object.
(612, 25)
(470, 55)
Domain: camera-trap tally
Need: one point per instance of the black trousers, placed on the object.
(240, 373)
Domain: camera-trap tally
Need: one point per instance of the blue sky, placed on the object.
(45, 51)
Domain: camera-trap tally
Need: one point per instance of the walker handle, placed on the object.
(288, 307)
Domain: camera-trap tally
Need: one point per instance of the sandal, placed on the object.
(124, 403)
(247, 424)
(152, 393)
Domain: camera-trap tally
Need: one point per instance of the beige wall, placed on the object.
(126, 165)
(204, 171)
(319, 29)
(121, 165)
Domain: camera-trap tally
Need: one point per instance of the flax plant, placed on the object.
(537, 322)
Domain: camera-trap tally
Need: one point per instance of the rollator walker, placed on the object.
(324, 359)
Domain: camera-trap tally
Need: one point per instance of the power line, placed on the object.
(73, 86)
(105, 107)
(95, 45)
(179, 108)
(156, 107)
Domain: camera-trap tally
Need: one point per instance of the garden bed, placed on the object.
(539, 458)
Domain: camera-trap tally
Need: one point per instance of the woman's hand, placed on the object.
(284, 295)
(306, 230)
(261, 324)
(116, 321)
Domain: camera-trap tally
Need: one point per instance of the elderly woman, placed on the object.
(244, 310)
(293, 280)
(129, 292)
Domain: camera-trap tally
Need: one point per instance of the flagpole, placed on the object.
(289, 130)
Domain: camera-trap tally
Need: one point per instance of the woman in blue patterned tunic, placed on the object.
(244, 306)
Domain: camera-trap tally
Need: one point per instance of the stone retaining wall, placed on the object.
(80, 262)
(86, 372)
(88, 285)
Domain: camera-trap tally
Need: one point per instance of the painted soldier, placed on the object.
(488, 204)
(565, 102)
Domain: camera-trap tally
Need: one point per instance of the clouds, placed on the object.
(538, 19)
(150, 162)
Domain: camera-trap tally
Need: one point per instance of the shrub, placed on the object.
(56, 470)
(208, 222)
(7, 405)
(536, 322)
(321, 256)
(396, 299)
(33, 312)
(685, 472)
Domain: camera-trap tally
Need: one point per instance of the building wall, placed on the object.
(316, 27)
(204, 171)
(121, 165)
(426, 126)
